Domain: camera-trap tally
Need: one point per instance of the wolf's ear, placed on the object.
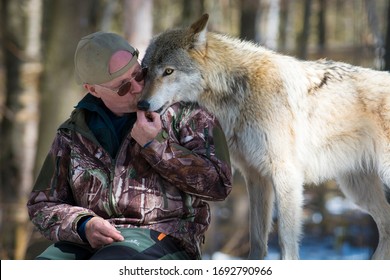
(199, 31)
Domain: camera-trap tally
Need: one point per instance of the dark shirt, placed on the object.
(108, 128)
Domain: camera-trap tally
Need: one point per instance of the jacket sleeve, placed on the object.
(51, 205)
(191, 153)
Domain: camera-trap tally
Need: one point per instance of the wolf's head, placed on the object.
(173, 74)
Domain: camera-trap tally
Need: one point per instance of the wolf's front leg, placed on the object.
(261, 199)
(288, 188)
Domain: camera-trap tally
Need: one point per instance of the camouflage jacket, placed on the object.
(163, 186)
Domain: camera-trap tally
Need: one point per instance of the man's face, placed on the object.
(121, 94)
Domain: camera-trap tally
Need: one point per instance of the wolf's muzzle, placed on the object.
(143, 105)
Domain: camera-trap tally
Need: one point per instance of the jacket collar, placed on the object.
(78, 118)
(95, 121)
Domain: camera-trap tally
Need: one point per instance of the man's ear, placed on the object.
(91, 90)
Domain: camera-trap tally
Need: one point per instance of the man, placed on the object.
(119, 183)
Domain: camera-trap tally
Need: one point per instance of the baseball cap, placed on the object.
(93, 54)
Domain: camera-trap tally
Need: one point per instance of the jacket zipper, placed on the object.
(111, 202)
(110, 190)
(91, 137)
(111, 169)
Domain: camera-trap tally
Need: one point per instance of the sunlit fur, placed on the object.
(288, 122)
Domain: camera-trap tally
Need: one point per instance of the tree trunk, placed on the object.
(373, 23)
(19, 127)
(322, 26)
(138, 23)
(69, 20)
(285, 26)
(248, 18)
(273, 21)
(303, 37)
(387, 46)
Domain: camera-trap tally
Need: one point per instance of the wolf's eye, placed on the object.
(168, 72)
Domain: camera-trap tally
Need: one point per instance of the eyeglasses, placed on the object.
(126, 87)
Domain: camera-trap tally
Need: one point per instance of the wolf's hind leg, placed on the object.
(367, 191)
(261, 199)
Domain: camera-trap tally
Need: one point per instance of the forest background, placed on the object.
(38, 92)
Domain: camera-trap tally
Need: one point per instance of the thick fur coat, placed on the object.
(287, 122)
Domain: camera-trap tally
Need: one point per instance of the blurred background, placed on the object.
(38, 92)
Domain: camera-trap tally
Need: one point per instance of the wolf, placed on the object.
(288, 122)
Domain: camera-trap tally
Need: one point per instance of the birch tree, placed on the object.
(21, 31)
(138, 23)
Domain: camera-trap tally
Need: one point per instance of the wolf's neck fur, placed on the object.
(227, 66)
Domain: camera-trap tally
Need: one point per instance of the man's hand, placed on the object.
(146, 128)
(100, 232)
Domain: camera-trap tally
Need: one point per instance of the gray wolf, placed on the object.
(287, 122)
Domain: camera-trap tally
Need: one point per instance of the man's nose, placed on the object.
(137, 86)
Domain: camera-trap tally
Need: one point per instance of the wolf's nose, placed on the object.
(143, 105)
